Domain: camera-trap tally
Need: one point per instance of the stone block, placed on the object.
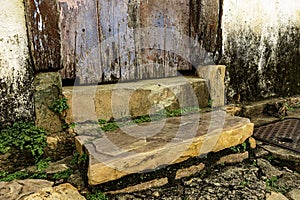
(252, 143)
(18, 189)
(215, 75)
(268, 169)
(275, 196)
(47, 89)
(283, 154)
(233, 110)
(131, 150)
(114, 101)
(186, 172)
(234, 158)
(142, 186)
(294, 194)
(59, 145)
(63, 191)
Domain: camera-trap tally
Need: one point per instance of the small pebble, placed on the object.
(155, 194)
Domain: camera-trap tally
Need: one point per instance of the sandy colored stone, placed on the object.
(283, 154)
(215, 75)
(294, 194)
(59, 145)
(233, 110)
(234, 158)
(254, 109)
(276, 196)
(268, 169)
(252, 143)
(142, 186)
(18, 189)
(260, 152)
(125, 151)
(62, 192)
(134, 98)
(47, 89)
(181, 173)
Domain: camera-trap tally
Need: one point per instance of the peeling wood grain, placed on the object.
(44, 34)
(179, 20)
(117, 42)
(108, 41)
(157, 59)
(206, 29)
(80, 39)
(68, 35)
(87, 51)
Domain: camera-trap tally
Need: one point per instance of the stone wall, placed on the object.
(261, 48)
(16, 74)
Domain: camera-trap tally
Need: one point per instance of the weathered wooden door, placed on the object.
(105, 40)
(121, 40)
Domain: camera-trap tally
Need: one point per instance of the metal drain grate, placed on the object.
(285, 134)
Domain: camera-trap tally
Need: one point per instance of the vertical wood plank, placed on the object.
(162, 59)
(88, 60)
(205, 28)
(179, 20)
(152, 39)
(80, 41)
(117, 42)
(68, 32)
(44, 34)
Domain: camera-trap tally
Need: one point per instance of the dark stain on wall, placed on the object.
(255, 73)
(16, 94)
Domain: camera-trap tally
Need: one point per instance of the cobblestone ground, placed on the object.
(254, 179)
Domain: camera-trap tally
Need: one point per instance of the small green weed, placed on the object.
(19, 175)
(254, 163)
(23, 135)
(125, 121)
(39, 175)
(59, 105)
(174, 113)
(240, 148)
(63, 175)
(270, 158)
(66, 126)
(78, 159)
(244, 183)
(210, 103)
(288, 107)
(271, 185)
(43, 164)
(14, 176)
(3, 174)
(82, 158)
(96, 196)
(102, 121)
(111, 126)
(74, 160)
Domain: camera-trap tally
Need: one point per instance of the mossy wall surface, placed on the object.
(261, 48)
(16, 72)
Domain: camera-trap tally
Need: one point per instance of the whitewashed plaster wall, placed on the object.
(15, 70)
(261, 48)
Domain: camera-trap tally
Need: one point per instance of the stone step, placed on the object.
(114, 101)
(151, 146)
